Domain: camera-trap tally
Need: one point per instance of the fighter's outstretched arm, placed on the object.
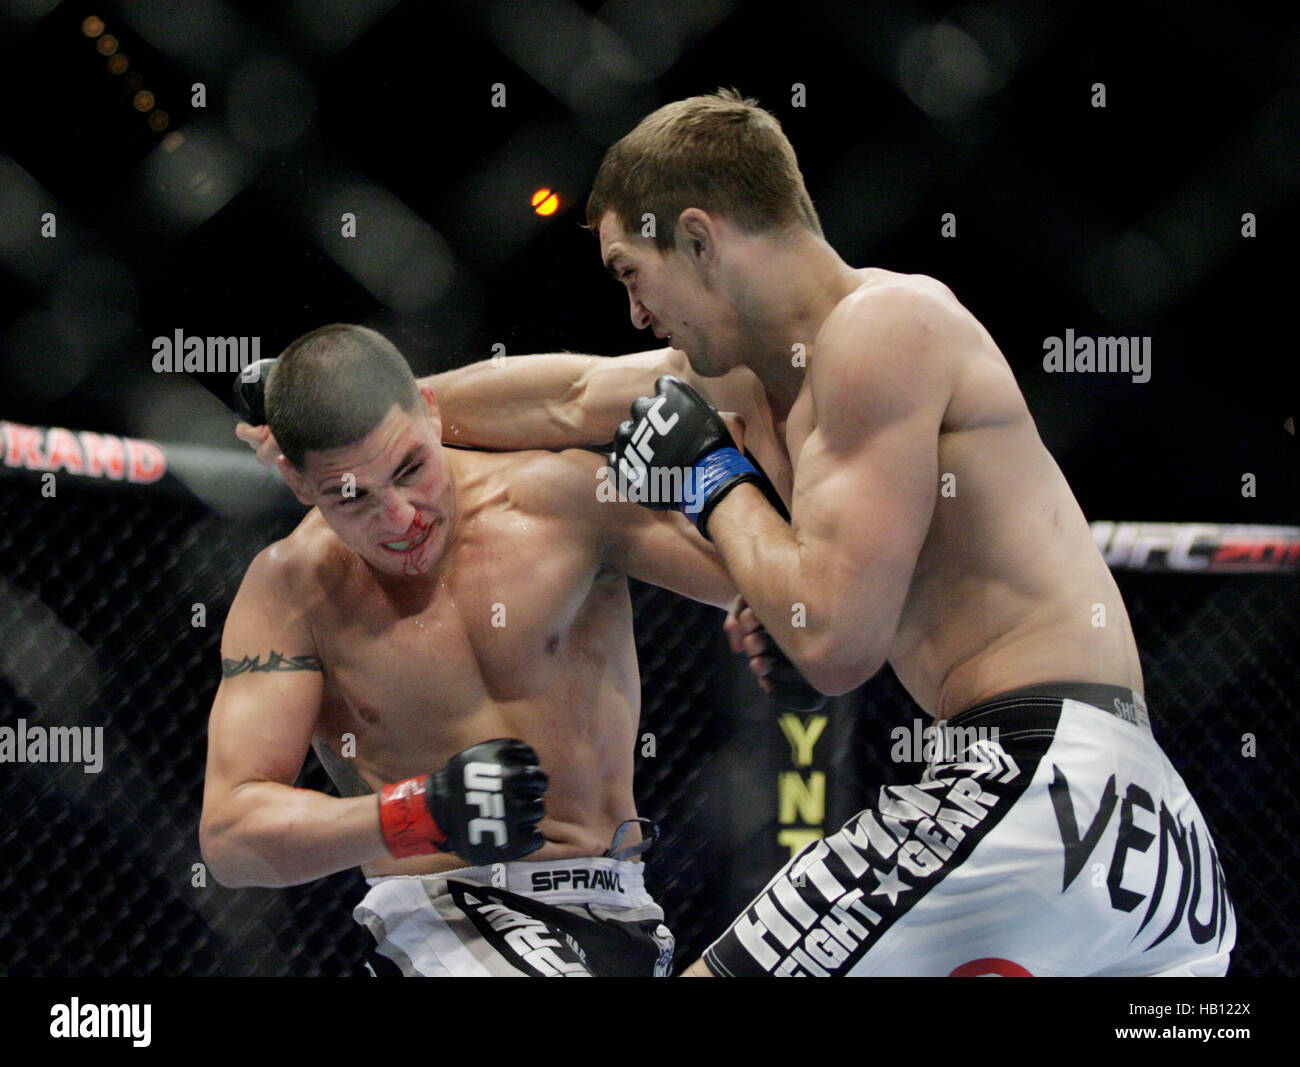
(553, 400)
(256, 828)
(830, 586)
(564, 400)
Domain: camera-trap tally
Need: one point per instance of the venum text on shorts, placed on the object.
(179, 354)
(936, 742)
(53, 744)
(1085, 354)
(76, 1019)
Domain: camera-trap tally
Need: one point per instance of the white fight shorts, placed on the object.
(1049, 836)
(578, 918)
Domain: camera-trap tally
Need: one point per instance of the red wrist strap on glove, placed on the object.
(405, 820)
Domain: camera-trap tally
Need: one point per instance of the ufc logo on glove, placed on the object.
(640, 451)
(483, 791)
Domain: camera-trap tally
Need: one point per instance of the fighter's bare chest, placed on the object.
(502, 604)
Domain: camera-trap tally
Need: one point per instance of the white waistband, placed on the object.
(582, 880)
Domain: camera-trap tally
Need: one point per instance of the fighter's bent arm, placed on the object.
(864, 493)
(256, 828)
(564, 400)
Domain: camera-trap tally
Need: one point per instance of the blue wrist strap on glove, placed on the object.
(713, 473)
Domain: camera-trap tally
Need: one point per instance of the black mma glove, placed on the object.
(484, 805)
(676, 453)
(250, 391)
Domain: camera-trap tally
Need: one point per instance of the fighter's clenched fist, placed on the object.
(484, 805)
(775, 673)
(676, 452)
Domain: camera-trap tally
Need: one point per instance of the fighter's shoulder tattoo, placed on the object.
(275, 662)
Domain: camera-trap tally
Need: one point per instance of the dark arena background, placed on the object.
(1122, 171)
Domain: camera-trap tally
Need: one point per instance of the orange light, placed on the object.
(106, 45)
(117, 64)
(158, 121)
(143, 100)
(92, 26)
(545, 202)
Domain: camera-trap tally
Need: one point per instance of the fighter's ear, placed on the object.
(431, 403)
(697, 235)
(296, 481)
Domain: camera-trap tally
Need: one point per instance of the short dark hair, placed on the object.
(721, 153)
(331, 387)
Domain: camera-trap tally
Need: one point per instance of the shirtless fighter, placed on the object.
(1061, 841)
(434, 604)
(930, 529)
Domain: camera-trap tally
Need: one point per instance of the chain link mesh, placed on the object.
(97, 876)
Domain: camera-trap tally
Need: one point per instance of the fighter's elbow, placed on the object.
(224, 852)
(834, 666)
(213, 847)
(836, 679)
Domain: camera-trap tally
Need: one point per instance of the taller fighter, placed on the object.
(931, 529)
(432, 605)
